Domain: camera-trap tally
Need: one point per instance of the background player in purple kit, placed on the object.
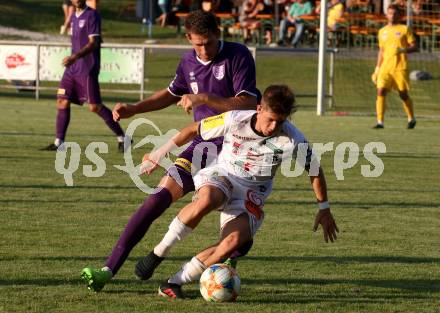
(80, 79)
(214, 77)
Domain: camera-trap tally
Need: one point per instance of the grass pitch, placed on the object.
(386, 258)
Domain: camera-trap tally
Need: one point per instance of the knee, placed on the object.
(203, 205)
(63, 103)
(209, 198)
(230, 243)
(381, 92)
(95, 108)
(404, 95)
(243, 249)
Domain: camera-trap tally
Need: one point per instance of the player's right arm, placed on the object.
(158, 101)
(378, 64)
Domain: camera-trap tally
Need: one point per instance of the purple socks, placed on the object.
(140, 221)
(63, 119)
(107, 116)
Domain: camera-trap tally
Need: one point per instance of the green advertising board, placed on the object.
(118, 65)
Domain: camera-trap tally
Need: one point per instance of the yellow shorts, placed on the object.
(393, 80)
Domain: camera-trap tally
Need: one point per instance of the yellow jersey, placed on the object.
(391, 38)
(333, 14)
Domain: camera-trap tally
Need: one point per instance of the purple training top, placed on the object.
(85, 25)
(229, 74)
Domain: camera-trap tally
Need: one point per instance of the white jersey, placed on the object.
(245, 153)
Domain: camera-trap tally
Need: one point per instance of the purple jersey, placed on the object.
(85, 25)
(229, 74)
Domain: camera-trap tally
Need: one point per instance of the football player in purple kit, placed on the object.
(214, 77)
(79, 83)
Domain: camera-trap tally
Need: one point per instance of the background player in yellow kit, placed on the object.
(395, 41)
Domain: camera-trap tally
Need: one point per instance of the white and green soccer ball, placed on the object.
(220, 283)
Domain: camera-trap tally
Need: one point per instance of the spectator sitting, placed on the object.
(165, 7)
(293, 18)
(335, 11)
(248, 17)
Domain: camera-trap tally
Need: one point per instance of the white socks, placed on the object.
(190, 271)
(177, 231)
(107, 269)
(58, 142)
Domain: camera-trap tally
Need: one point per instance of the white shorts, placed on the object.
(242, 196)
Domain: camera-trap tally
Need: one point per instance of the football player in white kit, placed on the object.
(255, 144)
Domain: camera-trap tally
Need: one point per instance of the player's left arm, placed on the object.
(323, 217)
(411, 44)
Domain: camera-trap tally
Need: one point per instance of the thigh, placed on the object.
(173, 187)
(246, 198)
(68, 89)
(385, 81)
(239, 227)
(89, 90)
(214, 177)
(401, 81)
(183, 167)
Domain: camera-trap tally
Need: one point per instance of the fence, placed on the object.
(120, 64)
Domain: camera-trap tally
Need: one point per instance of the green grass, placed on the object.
(47, 16)
(353, 91)
(385, 260)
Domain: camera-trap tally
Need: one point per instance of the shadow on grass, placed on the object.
(413, 285)
(350, 290)
(107, 99)
(362, 205)
(273, 258)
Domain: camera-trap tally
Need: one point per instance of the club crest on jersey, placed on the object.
(81, 23)
(195, 87)
(218, 71)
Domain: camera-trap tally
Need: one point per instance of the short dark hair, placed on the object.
(201, 23)
(280, 99)
(394, 7)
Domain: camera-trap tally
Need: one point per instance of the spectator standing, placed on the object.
(68, 10)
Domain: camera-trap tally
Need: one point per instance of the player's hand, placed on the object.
(122, 110)
(326, 220)
(68, 61)
(150, 163)
(375, 75)
(188, 102)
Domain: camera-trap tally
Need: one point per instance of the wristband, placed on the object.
(324, 205)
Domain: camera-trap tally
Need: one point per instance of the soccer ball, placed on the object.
(220, 283)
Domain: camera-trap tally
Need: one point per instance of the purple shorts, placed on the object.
(181, 170)
(79, 88)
